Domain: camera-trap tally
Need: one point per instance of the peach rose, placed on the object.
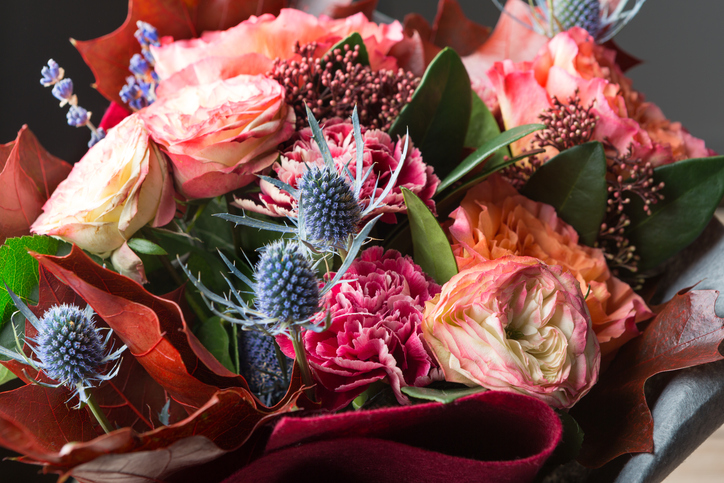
(515, 324)
(494, 221)
(571, 61)
(274, 37)
(120, 185)
(219, 135)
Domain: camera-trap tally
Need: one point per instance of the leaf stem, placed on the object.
(235, 346)
(301, 357)
(98, 413)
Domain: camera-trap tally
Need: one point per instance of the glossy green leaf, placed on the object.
(439, 113)
(692, 190)
(430, 246)
(483, 152)
(353, 40)
(147, 247)
(574, 183)
(19, 270)
(440, 395)
(482, 127)
(6, 375)
(214, 337)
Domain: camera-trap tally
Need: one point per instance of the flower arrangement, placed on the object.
(297, 244)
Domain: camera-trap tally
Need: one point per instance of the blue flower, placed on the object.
(51, 74)
(139, 65)
(96, 136)
(77, 116)
(264, 367)
(63, 91)
(596, 16)
(146, 35)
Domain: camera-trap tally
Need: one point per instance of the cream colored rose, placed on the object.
(515, 324)
(119, 186)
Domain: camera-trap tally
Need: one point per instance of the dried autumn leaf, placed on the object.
(108, 56)
(28, 176)
(614, 416)
(153, 328)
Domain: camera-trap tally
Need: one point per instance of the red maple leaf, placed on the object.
(614, 416)
(28, 176)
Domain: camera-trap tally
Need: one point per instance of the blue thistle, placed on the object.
(70, 349)
(286, 285)
(331, 211)
(549, 17)
(51, 73)
(264, 367)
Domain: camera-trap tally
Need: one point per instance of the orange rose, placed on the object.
(494, 221)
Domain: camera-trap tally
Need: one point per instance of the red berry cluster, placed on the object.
(332, 85)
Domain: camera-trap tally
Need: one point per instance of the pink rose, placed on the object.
(380, 153)
(375, 333)
(219, 135)
(515, 324)
(572, 62)
(120, 185)
(274, 37)
(494, 221)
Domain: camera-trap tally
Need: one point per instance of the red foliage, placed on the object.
(28, 176)
(108, 56)
(614, 416)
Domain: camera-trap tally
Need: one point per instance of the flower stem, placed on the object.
(301, 357)
(99, 415)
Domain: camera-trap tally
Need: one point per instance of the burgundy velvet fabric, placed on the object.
(490, 437)
(113, 115)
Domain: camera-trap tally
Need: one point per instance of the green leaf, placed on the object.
(19, 270)
(6, 375)
(487, 149)
(214, 337)
(430, 246)
(692, 190)
(212, 230)
(438, 115)
(352, 40)
(7, 336)
(574, 183)
(482, 126)
(440, 395)
(141, 245)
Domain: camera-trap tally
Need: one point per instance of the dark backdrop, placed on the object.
(680, 42)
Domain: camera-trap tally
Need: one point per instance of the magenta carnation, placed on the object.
(380, 153)
(375, 332)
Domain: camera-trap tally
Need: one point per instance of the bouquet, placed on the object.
(307, 239)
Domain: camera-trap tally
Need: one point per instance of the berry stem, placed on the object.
(99, 415)
(301, 357)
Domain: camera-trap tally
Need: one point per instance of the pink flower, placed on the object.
(375, 332)
(380, 153)
(274, 37)
(120, 185)
(569, 63)
(220, 134)
(515, 324)
(494, 221)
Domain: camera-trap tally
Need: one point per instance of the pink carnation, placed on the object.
(380, 153)
(375, 332)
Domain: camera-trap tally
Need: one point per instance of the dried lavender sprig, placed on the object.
(140, 88)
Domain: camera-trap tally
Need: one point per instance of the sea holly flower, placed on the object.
(70, 350)
(603, 19)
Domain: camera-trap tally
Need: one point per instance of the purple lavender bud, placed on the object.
(63, 90)
(52, 73)
(146, 35)
(77, 116)
(139, 65)
(96, 136)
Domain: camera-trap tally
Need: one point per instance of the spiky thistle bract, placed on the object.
(603, 19)
(69, 349)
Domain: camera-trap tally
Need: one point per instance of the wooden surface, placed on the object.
(705, 465)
